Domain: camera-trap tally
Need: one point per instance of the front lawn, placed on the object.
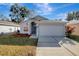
(74, 37)
(17, 46)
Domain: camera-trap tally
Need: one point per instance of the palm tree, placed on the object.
(69, 17)
(77, 15)
(73, 16)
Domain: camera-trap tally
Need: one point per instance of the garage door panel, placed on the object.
(51, 30)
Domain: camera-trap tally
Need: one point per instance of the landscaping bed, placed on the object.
(17, 46)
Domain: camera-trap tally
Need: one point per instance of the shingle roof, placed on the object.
(50, 22)
(7, 23)
(38, 17)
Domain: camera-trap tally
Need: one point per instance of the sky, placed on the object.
(51, 11)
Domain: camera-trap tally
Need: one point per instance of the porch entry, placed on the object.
(33, 28)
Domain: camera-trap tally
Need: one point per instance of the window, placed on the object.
(25, 28)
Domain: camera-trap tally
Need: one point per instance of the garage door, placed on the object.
(51, 30)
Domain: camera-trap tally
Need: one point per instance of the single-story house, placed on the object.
(40, 26)
(75, 24)
(28, 25)
(7, 27)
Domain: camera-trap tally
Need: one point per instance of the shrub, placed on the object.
(21, 35)
(69, 30)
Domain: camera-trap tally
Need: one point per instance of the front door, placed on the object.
(33, 28)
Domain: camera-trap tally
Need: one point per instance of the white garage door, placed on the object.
(51, 30)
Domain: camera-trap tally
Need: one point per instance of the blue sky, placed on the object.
(48, 10)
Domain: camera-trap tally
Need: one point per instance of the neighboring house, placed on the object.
(7, 27)
(75, 24)
(41, 26)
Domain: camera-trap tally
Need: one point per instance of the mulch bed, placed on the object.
(21, 35)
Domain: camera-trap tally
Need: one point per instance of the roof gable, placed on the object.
(38, 18)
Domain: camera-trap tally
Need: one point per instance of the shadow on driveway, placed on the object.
(53, 41)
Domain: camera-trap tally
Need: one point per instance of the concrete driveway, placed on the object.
(50, 46)
(49, 41)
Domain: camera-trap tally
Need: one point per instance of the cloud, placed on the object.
(9, 4)
(63, 6)
(6, 4)
(43, 9)
(61, 16)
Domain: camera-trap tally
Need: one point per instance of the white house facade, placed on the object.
(26, 26)
(50, 28)
(40, 26)
(7, 27)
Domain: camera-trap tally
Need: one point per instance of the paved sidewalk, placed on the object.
(71, 46)
(52, 51)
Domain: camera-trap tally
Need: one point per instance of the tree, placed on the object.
(69, 29)
(18, 13)
(77, 15)
(3, 17)
(69, 17)
(73, 15)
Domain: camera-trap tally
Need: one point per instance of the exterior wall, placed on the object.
(51, 30)
(44, 29)
(24, 28)
(27, 25)
(37, 30)
(8, 29)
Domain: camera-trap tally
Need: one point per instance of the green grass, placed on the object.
(74, 37)
(15, 46)
(12, 40)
